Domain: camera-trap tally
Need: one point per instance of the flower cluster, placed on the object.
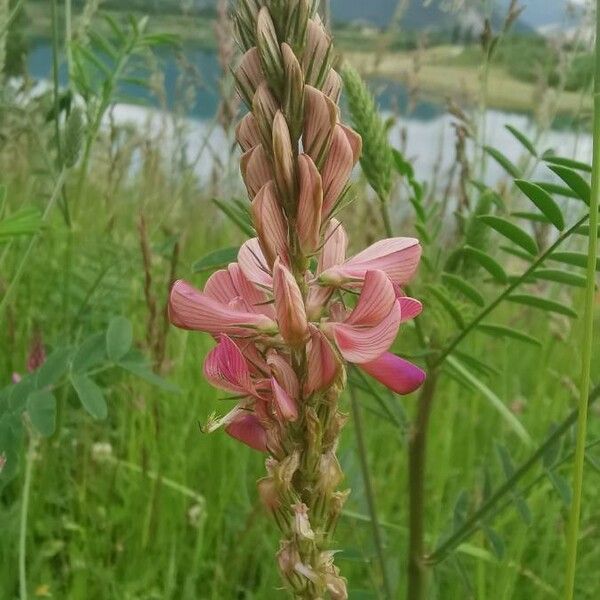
(294, 309)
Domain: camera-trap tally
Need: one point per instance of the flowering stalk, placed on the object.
(294, 310)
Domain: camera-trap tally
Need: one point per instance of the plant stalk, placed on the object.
(23, 523)
(588, 338)
(364, 464)
(417, 568)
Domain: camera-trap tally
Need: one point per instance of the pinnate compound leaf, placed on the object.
(512, 232)
(543, 304)
(91, 396)
(544, 201)
(41, 408)
(487, 262)
(119, 338)
(216, 260)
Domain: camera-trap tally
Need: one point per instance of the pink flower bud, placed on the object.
(256, 169)
(283, 158)
(310, 204)
(247, 133)
(320, 117)
(316, 53)
(286, 407)
(249, 75)
(289, 306)
(323, 364)
(270, 224)
(343, 154)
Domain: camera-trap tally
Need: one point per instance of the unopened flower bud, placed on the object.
(270, 52)
(289, 306)
(310, 204)
(283, 159)
(293, 92)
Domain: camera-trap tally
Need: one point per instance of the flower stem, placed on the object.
(587, 344)
(364, 464)
(417, 570)
(23, 523)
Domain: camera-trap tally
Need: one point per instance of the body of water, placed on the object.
(426, 132)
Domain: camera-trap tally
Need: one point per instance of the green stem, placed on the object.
(385, 215)
(501, 297)
(588, 339)
(417, 568)
(23, 523)
(364, 464)
(20, 269)
(472, 524)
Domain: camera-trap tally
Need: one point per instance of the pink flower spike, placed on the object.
(286, 407)
(394, 372)
(270, 223)
(310, 204)
(289, 306)
(247, 428)
(226, 369)
(322, 362)
(398, 257)
(191, 309)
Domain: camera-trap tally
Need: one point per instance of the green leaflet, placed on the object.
(504, 331)
(575, 181)
(512, 232)
(216, 260)
(464, 287)
(487, 262)
(504, 162)
(543, 304)
(544, 201)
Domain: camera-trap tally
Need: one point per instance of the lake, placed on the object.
(426, 132)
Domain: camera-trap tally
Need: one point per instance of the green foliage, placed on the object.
(377, 161)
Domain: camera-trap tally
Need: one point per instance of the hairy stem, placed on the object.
(364, 464)
(587, 343)
(417, 571)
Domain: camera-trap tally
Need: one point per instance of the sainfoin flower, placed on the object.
(294, 309)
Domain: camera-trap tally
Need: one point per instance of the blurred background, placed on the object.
(125, 498)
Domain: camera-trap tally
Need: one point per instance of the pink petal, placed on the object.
(247, 429)
(226, 368)
(270, 223)
(410, 308)
(364, 344)
(289, 306)
(285, 406)
(376, 300)
(191, 309)
(253, 263)
(335, 247)
(397, 374)
(398, 257)
(322, 363)
(310, 204)
(281, 370)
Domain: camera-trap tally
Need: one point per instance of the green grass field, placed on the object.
(142, 505)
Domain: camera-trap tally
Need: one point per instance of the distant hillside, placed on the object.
(538, 13)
